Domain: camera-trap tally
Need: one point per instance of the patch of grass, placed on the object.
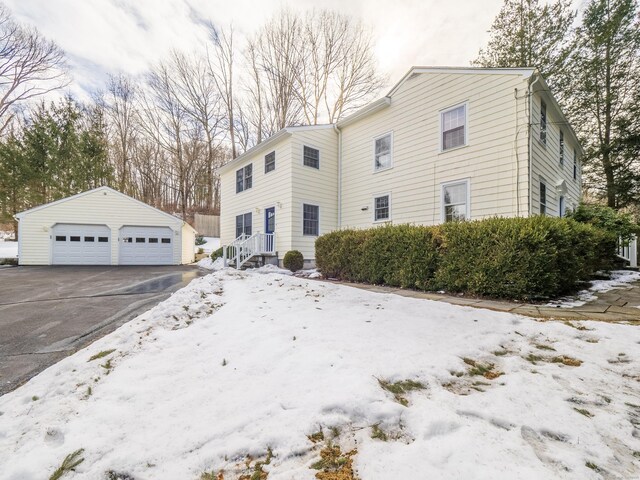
(378, 433)
(316, 437)
(399, 389)
(501, 353)
(212, 475)
(335, 432)
(113, 475)
(107, 366)
(486, 370)
(636, 454)
(533, 358)
(540, 346)
(69, 464)
(565, 360)
(582, 328)
(101, 354)
(334, 465)
(593, 467)
(35, 398)
(584, 412)
(591, 340)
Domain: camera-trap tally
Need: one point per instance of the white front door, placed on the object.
(146, 245)
(80, 244)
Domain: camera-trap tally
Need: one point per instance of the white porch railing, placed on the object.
(628, 250)
(245, 247)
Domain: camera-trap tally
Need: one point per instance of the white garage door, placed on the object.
(81, 244)
(146, 246)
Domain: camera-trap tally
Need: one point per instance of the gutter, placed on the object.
(339, 132)
(529, 133)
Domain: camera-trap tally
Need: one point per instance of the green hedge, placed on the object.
(518, 258)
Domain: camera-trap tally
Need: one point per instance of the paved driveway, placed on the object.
(47, 313)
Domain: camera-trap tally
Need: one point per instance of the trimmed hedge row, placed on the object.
(519, 258)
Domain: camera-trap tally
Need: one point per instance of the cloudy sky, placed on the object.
(126, 36)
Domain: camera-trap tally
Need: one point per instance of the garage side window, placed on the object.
(153, 240)
(74, 239)
(166, 240)
(127, 240)
(140, 240)
(89, 239)
(103, 239)
(61, 238)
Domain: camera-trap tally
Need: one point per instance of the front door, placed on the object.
(269, 227)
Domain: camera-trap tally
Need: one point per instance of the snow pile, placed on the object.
(5, 235)
(617, 279)
(237, 364)
(208, 264)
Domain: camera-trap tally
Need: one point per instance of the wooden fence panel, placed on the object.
(207, 225)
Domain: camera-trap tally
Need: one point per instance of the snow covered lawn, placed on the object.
(240, 368)
(8, 249)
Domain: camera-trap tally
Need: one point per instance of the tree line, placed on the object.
(591, 60)
(162, 137)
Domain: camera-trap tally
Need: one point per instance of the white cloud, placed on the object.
(113, 36)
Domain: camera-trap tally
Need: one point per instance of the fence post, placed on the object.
(633, 252)
(224, 257)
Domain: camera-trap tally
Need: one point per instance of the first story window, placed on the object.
(455, 201)
(382, 152)
(244, 178)
(269, 162)
(381, 208)
(543, 198)
(311, 157)
(543, 122)
(243, 224)
(561, 207)
(453, 124)
(310, 220)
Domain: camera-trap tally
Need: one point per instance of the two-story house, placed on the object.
(444, 144)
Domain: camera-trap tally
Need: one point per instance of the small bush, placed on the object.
(293, 260)
(216, 254)
(520, 258)
(200, 240)
(617, 223)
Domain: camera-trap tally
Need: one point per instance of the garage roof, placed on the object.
(99, 189)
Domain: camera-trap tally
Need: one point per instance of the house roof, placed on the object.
(98, 189)
(285, 132)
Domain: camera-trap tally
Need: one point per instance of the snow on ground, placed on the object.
(617, 279)
(237, 363)
(211, 245)
(8, 249)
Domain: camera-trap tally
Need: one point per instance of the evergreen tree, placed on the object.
(530, 33)
(605, 91)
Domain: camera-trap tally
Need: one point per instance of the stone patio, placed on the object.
(618, 305)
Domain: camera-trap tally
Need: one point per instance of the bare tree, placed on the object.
(30, 66)
(221, 64)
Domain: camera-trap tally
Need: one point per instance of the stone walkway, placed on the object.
(619, 305)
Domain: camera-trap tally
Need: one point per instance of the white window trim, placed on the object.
(466, 126)
(302, 156)
(467, 181)
(378, 195)
(311, 204)
(376, 170)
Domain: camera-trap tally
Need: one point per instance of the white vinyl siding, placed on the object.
(495, 158)
(383, 152)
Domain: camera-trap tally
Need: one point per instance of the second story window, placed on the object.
(311, 157)
(382, 152)
(543, 199)
(244, 178)
(543, 122)
(453, 126)
(575, 164)
(270, 162)
(561, 148)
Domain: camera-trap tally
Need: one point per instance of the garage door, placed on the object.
(146, 246)
(81, 244)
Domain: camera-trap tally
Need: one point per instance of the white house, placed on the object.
(102, 227)
(444, 143)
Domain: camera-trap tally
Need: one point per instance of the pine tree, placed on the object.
(530, 33)
(605, 91)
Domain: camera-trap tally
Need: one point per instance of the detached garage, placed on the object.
(102, 227)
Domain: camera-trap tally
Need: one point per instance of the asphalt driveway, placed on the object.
(47, 313)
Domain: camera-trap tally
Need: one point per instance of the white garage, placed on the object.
(102, 227)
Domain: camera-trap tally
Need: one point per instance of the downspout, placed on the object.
(339, 132)
(530, 121)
